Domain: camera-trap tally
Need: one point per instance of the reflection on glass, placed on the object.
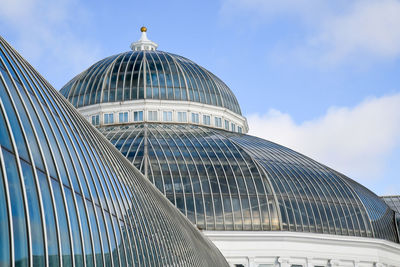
(17, 209)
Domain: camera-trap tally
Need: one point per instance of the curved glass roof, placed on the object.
(148, 74)
(68, 198)
(228, 181)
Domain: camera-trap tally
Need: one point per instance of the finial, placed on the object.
(143, 43)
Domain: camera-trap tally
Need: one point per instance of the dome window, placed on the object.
(138, 116)
(167, 116)
(96, 120)
(195, 117)
(108, 118)
(123, 117)
(206, 120)
(226, 125)
(152, 115)
(218, 122)
(233, 127)
(182, 116)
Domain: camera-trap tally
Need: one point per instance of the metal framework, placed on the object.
(393, 202)
(220, 180)
(148, 74)
(227, 181)
(68, 198)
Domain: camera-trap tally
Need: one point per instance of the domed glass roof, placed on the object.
(148, 74)
(221, 180)
(227, 181)
(68, 198)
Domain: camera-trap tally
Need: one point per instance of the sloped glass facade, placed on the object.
(68, 198)
(226, 181)
(148, 74)
(393, 202)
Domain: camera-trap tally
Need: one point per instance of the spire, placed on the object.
(144, 43)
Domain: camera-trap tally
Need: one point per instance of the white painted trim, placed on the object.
(166, 105)
(282, 249)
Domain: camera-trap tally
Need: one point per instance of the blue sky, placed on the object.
(321, 77)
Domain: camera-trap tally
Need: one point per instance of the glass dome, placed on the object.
(68, 198)
(148, 74)
(228, 181)
(220, 178)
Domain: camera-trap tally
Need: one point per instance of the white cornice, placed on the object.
(268, 247)
(166, 105)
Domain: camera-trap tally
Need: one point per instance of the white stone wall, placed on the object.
(289, 249)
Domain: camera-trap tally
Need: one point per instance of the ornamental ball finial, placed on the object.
(143, 29)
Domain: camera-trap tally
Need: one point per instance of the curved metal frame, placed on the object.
(93, 208)
(306, 195)
(104, 77)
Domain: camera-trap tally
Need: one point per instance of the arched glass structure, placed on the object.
(148, 74)
(68, 198)
(227, 181)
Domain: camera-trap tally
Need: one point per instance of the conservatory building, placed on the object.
(262, 204)
(69, 198)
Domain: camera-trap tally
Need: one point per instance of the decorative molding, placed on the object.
(305, 249)
(175, 106)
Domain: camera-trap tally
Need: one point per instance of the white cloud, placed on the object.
(370, 28)
(42, 31)
(355, 141)
(332, 31)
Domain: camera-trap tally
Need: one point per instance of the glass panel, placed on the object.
(103, 231)
(138, 116)
(85, 231)
(17, 209)
(4, 134)
(167, 116)
(195, 118)
(95, 234)
(12, 117)
(75, 229)
(5, 238)
(108, 118)
(206, 120)
(397, 218)
(52, 242)
(123, 117)
(96, 119)
(114, 249)
(34, 215)
(62, 220)
(218, 122)
(152, 115)
(182, 116)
